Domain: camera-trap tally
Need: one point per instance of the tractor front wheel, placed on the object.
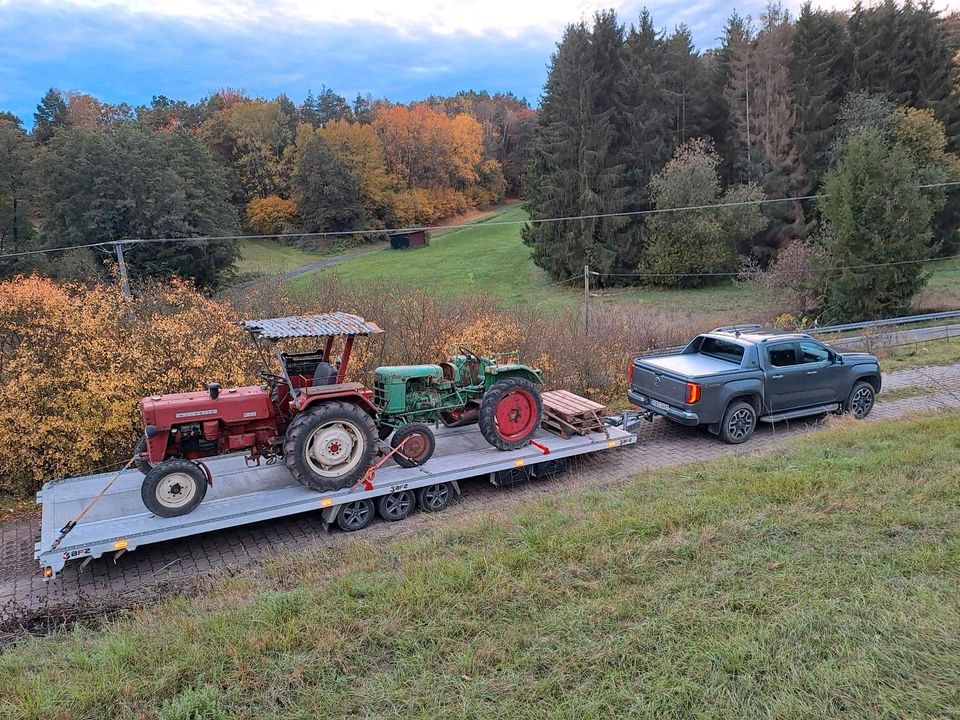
(173, 488)
(418, 445)
(330, 446)
(510, 413)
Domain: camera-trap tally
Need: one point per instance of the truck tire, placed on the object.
(861, 400)
(739, 422)
(330, 446)
(143, 465)
(510, 413)
(419, 447)
(173, 488)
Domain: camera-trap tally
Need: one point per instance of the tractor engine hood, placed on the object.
(233, 405)
(406, 372)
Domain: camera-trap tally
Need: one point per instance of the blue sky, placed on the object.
(129, 50)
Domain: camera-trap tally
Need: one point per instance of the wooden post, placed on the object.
(586, 299)
(124, 280)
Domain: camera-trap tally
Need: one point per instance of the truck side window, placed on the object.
(782, 355)
(813, 353)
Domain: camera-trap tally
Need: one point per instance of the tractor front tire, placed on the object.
(510, 413)
(418, 449)
(173, 488)
(330, 446)
(143, 465)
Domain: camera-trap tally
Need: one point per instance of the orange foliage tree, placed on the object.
(74, 361)
(270, 215)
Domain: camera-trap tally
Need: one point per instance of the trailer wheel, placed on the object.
(418, 449)
(173, 488)
(434, 498)
(143, 465)
(396, 506)
(355, 515)
(510, 413)
(330, 446)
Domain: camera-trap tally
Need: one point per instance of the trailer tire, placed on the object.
(355, 515)
(396, 506)
(143, 465)
(418, 450)
(173, 488)
(434, 498)
(339, 432)
(510, 413)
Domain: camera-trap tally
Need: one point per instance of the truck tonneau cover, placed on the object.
(690, 364)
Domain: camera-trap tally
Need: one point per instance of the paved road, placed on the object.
(157, 568)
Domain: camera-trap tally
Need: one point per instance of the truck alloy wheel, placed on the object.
(418, 445)
(330, 446)
(861, 399)
(173, 488)
(510, 413)
(739, 422)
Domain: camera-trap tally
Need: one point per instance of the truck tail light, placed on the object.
(632, 366)
(693, 393)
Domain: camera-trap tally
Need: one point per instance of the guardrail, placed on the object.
(846, 327)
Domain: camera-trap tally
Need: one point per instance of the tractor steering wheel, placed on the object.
(272, 380)
(467, 351)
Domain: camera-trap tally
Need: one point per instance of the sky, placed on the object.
(130, 50)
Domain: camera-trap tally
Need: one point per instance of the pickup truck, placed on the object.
(733, 377)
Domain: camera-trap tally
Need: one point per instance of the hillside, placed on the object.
(819, 581)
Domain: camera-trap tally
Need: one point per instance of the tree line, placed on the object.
(860, 106)
(90, 172)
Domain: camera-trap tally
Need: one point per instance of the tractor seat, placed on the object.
(325, 374)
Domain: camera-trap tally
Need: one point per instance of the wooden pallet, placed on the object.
(567, 414)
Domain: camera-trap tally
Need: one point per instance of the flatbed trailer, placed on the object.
(119, 522)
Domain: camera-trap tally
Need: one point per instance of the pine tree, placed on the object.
(328, 194)
(51, 114)
(577, 155)
(820, 71)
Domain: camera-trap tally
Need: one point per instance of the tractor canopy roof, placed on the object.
(305, 326)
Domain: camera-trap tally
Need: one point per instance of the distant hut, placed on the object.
(410, 239)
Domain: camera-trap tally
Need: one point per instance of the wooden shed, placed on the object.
(410, 239)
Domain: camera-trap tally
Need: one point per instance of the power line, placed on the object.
(490, 223)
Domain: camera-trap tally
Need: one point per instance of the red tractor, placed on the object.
(325, 429)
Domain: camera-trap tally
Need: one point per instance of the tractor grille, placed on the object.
(379, 394)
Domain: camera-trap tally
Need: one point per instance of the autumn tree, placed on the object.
(270, 215)
(361, 150)
(683, 249)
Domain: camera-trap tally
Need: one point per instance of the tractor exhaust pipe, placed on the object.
(214, 390)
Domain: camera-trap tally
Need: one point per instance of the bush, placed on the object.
(799, 276)
(271, 215)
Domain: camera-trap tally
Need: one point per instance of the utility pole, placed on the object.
(586, 299)
(124, 280)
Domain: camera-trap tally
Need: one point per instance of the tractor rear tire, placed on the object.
(330, 446)
(174, 488)
(143, 465)
(417, 450)
(510, 413)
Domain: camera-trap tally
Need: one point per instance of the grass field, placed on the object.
(267, 257)
(935, 352)
(492, 259)
(818, 580)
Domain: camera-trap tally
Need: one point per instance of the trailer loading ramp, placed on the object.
(119, 522)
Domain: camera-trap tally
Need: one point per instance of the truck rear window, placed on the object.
(722, 350)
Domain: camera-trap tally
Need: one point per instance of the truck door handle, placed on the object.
(778, 377)
(811, 372)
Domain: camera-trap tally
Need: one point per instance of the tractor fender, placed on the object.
(349, 396)
(157, 442)
(498, 372)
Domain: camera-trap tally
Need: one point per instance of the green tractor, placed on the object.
(497, 392)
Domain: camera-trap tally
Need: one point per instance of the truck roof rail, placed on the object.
(746, 327)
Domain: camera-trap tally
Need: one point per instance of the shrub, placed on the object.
(799, 276)
(271, 215)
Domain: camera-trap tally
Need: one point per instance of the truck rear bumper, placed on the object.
(683, 417)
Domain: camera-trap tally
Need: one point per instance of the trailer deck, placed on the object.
(119, 522)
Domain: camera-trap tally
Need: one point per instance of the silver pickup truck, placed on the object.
(733, 377)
